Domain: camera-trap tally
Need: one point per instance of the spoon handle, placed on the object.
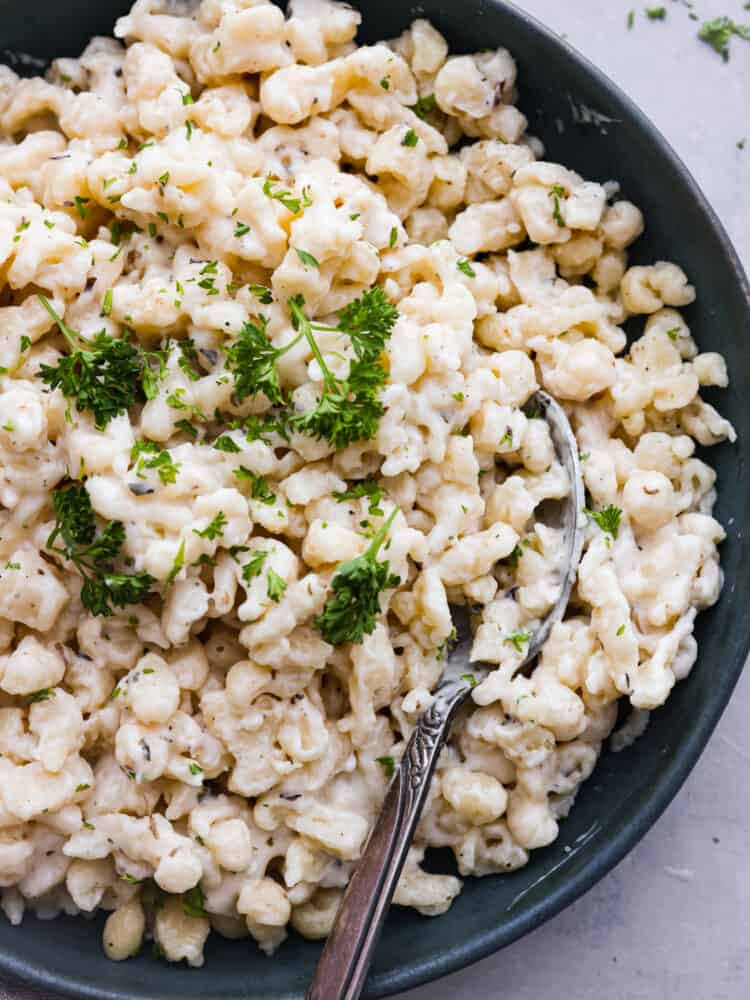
(343, 965)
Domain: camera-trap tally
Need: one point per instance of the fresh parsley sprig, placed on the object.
(349, 409)
(94, 555)
(252, 359)
(103, 374)
(351, 613)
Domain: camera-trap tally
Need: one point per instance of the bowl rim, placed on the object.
(676, 770)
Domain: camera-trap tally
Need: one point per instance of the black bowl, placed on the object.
(591, 126)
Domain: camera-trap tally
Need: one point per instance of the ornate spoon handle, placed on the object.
(343, 965)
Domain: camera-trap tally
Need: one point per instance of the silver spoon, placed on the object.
(346, 958)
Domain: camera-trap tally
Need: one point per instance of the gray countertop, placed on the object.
(672, 922)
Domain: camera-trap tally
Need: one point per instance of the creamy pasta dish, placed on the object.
(273, 306)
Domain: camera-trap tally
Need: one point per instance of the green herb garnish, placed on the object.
(93, 556)
(276, 585)
(103, 376)
(351, 613)
(607, 519)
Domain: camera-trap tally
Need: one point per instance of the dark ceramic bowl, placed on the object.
(628, 791)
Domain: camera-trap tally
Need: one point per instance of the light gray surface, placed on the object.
(672, 922)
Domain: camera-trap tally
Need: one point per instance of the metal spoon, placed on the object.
(346, 958)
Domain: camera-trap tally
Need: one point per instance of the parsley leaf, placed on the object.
(44, 695)
(348, 409)
(226, 444)
(307, 258)
(424, 106)
(263, 294)
(285, 197)
(93, 556)
(367, 488)
(368, 322)
(556, 194)
(276, 585)
(718, 33)
(213, 530)
(254, 565)
(465, 267)
(252, 360)
(518, 640)
(410, 139)
(194, 903)
(388, 764)
(608, 519)
(351, 613)
(260, 490)
(103, 377)
(160, 460)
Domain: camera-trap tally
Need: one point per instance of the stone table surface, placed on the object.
(672, 921)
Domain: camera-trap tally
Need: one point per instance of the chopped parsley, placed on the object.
(518, 640)
(718, 33)
(160, 460)
(276, 586)
(103, 376)
(194, 903)
(178, 563)
(349, 409)
(188, 359)
(366, 488)
(424, 106)
(259, 490)
(465, 268)
(351, 613)
(81, 204)
(388, 764)
(254, 566)
(557, 193)
(226, 444)
(410, 139)
(262, 294)
(514, 558)
(44, 695)
(656, 13)
(607, 519)
(285, 197)
(307, 258)
(213, 530)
